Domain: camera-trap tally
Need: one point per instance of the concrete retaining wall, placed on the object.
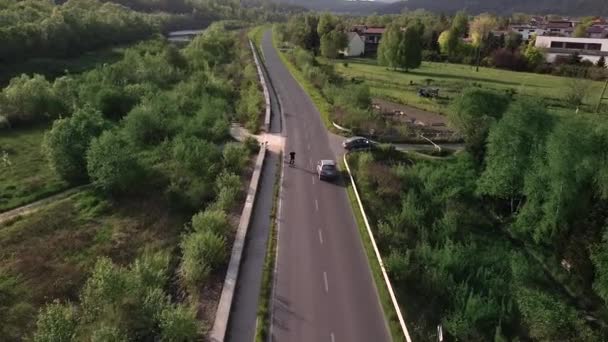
(222, 315)
(406, 334)
(264, 87)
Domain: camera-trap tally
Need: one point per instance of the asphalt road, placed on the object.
(323, 289)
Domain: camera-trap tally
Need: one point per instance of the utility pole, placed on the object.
(602, 97)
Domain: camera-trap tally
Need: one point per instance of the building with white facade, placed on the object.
(356, 45)
(527, 31)
(590, 49)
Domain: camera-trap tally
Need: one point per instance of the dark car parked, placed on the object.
(356, 143)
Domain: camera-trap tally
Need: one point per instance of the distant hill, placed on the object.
(563, 7)
(355, 7)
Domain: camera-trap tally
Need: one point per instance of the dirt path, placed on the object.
(35, 206)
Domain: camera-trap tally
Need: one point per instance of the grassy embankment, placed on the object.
(315, 94)
(264, 306)
(25, 175)
(452, 78)
(51, 253)
(385, 299)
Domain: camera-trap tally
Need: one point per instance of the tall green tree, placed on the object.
(388, 51)
(512, 143)
(411, 46)
(473, 113)
(327, 23)
(66, 144)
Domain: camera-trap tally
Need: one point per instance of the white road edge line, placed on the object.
(317, 205)
(308, 147)
(333, 338)
(313, 180)
(320, 236)
(325, 280)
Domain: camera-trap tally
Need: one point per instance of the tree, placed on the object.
(235, 157)
(601, 63)
(481, 27)
(473, 113)
(388, 51)
(112, 163)
(513, 40)
(327, 23)
(56, 323)
(29, 99)
(66, 144)
(460, 24)
(332, 43)
(512, 143)
(448, 43)
(599, 257)
(534, 56)
(411, 46)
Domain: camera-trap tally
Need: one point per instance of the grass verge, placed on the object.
(263, 315)
(403, 87)
(256, 34)
(315, 94)
(25, 175)
(385, 299)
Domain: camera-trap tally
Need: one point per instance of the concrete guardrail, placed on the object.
(406, 334)
(222, 315)
(264, 87)
(343, 129)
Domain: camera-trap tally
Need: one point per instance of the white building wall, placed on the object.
(551, 54)
(545, 41)
(356, 47)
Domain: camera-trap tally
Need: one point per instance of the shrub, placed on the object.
(202, 253)
(252, 144)
(147, 125)
(65, 145)
(508, 59)
(196, 155)
(56, 323)
(114, 103)
(108, 334)
(235, 157)
(228, 187)
(28, 99)
(112, 163)
(178, 323)
(210, 220)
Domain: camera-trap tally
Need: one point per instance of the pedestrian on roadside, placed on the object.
(292, 158)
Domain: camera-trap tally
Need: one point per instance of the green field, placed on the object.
(50, 253)
(26, 176)
(452, 78)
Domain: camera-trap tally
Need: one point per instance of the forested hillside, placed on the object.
(565, 7)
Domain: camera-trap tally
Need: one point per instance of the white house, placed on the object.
(527, 31)
(356, 45)
(590, 49)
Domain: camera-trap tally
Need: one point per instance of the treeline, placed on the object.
(505, 241)
(157, 122)
(418, 36)
(261, 11)
(40, 29)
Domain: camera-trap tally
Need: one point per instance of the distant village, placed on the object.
(556, 38)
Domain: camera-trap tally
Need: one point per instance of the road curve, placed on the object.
(323, 289)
